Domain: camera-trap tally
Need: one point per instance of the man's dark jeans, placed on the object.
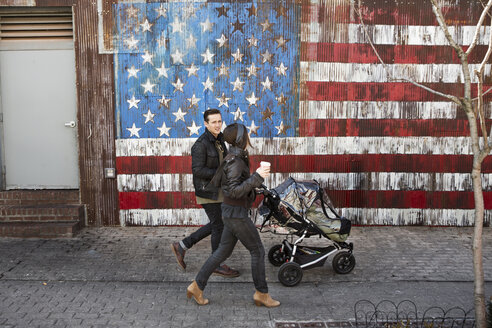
(214, 227)
(244, 230)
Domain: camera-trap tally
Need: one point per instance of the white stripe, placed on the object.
(332, 181)
(308, 146)
(380, 110)
(365, 73)
(394, 34)
(412, 216)
(364, 216)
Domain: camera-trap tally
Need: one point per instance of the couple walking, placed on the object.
(226, 201)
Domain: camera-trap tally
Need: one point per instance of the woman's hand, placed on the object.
(263, 171)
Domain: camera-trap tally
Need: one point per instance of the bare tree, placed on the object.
(481, 146)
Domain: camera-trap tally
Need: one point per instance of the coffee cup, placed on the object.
(265, 165)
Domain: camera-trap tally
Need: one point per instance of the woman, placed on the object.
(238, 188)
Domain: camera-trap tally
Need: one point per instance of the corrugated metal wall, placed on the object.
(388, 152)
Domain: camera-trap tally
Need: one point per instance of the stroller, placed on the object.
(301, 208)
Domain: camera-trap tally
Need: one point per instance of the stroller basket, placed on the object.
(302, 206)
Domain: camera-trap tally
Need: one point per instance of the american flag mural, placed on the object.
(318, 105)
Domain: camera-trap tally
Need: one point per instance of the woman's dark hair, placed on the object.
(236, 134)
(210, 111)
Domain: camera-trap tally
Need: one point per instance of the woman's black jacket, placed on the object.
(204, 163)
(237, 183)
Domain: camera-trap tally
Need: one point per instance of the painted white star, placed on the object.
(162, 42)
(164, 130)
(161, 11)
(162, 70)
(178, 85)
(267, 56)
(134, 131)
(192, 70)
(148, 87)
(252, 70)
(189, 10)
(222, 40)
(206, 26)
(149, 117)
(238, 85)
(177, 57)
(223, 100)
(266, 25)
(132, 71)
(131, 42)
(281, 99)
(208, 85)
(132, 12)
(238, 115)
(267, 84)
(238, 56)
(146, 26)
(193, 129)
(177, 25)
(282, 70)
(179, 115)
(191, 41)
(164, 101)
(252, 99)
(223, 70)
(207, 56)
(253, 42)
(253, 129)
(133, 102)
(281, 42)
(147, 57)
(281, 128)
(193, 101)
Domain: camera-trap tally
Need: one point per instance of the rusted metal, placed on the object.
(95, 96)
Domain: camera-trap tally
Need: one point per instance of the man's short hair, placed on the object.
(210, 111)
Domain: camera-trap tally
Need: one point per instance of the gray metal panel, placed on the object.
(38, 98)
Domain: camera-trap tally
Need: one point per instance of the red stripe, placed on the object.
(411, 13)
(340, 198)
(153, 164)
(395, 13)
(385, 127)
(390, 54)
(376, 91)
(318, 163)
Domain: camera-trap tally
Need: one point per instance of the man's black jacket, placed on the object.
(204, 163)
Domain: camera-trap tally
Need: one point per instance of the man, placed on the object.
(206, 155)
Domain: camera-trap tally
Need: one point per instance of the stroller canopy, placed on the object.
(301, 203)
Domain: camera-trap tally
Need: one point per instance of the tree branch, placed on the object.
(440, 19)
(479, 24)
(388, 74)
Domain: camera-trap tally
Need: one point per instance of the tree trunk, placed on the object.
(479, 293)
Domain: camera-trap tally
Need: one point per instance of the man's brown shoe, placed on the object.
(226, 272)
(179, 252)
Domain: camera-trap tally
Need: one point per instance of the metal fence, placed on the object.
(387, 314)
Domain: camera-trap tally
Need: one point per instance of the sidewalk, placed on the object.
(128, 277)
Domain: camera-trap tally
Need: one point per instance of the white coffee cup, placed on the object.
(265, 165)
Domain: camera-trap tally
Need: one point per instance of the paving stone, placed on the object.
(128, 277)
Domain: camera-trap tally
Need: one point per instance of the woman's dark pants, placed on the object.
(244, 230)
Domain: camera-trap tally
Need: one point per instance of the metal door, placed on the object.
(38, 99)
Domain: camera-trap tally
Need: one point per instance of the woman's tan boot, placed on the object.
(265, 299)
(197, 293)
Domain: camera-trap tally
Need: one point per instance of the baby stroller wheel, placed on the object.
(290, 274)
(343, 262)
(276, 256)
